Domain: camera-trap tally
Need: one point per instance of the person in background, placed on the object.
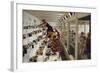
(82, 34)
(88, 46)
(82, 45)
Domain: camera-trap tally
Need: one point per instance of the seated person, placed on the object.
(39, 51)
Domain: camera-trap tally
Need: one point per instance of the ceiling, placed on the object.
(88, 17)
(52, 16)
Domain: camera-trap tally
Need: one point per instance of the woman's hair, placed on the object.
(43, 20)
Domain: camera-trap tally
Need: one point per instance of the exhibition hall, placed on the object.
(55, 36)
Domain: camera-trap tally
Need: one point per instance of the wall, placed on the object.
(53, 24)
(84, 28)
(29, 19)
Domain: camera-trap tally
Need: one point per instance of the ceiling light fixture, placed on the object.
(70, 14)
(66, 17)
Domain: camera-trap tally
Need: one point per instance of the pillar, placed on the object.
(76, 37)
